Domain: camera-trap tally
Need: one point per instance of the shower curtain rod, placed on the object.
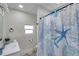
(57, 10)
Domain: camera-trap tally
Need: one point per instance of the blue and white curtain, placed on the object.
(59, 33)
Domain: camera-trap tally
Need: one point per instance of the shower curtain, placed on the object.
(59, 33)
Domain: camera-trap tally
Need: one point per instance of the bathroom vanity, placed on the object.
(11, 48)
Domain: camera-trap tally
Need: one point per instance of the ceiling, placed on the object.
(31, 8)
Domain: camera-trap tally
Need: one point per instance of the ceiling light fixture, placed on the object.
(20, 6)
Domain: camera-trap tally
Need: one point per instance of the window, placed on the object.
(28, 29)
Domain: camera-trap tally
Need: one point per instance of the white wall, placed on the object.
(1, 23)
(17, 20)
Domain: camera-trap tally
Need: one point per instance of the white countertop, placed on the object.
(11, 48)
